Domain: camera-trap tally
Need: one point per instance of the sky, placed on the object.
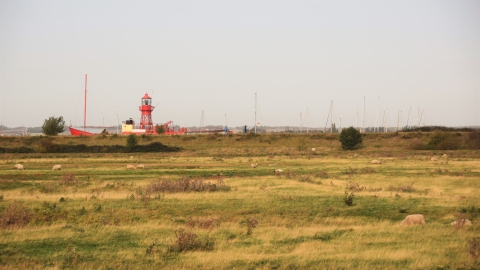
(400, 57)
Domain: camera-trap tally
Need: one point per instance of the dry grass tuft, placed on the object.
(15, 216)
(68, 179)
(206, 223)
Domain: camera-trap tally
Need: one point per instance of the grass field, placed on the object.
(206, 208)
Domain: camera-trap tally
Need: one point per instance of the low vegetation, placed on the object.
(205, 207)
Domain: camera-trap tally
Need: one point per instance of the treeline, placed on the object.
(438, 128)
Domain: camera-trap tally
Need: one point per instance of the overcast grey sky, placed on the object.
(215, 55)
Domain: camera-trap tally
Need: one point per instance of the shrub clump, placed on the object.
(348, 199)
(207, 223)
(474, 249)
(250, 223)
(15, 216)
(188, 241)
(53, 126)
(354, 187)
(350, 138)
(187, 185)
(443, 141)
(132, 142)
(68, 179)
(408, 188)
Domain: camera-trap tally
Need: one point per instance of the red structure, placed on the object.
(146, 124)
(146, 117)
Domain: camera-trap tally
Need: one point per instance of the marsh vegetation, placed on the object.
(204, 207)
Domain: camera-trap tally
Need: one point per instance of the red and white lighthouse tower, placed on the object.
(146, 117)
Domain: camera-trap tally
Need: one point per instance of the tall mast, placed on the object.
(383, 122)
(308, 120)
(376, 117)
(421, 118)
(401, 120)
(356, 120)
(340, 128)
(408, 119)
(398, 120)
(418, 117)
(363, 117)
(386, 119)
(85, 105)
(255, 113)
(301, 127)
(331, 116)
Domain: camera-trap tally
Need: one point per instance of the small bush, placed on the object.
(409, 188)
(187, 241)
(207, 223)
(151, 248)
(250, 223)
(305, 178)
(49, 188)
(132, 142)
(474, 249)
(53, 125)
(348, 199)
(354, 187)
(322, 174)
(289, 174)
(186, 185)
(15, 216)
(68, 179)
(350, 138)
(160, 129)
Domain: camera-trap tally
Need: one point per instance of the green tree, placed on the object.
(53, 125)
(132, 142)
(350, 138)
(160, 129)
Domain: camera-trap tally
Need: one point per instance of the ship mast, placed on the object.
(85, 105)
(255, 113)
